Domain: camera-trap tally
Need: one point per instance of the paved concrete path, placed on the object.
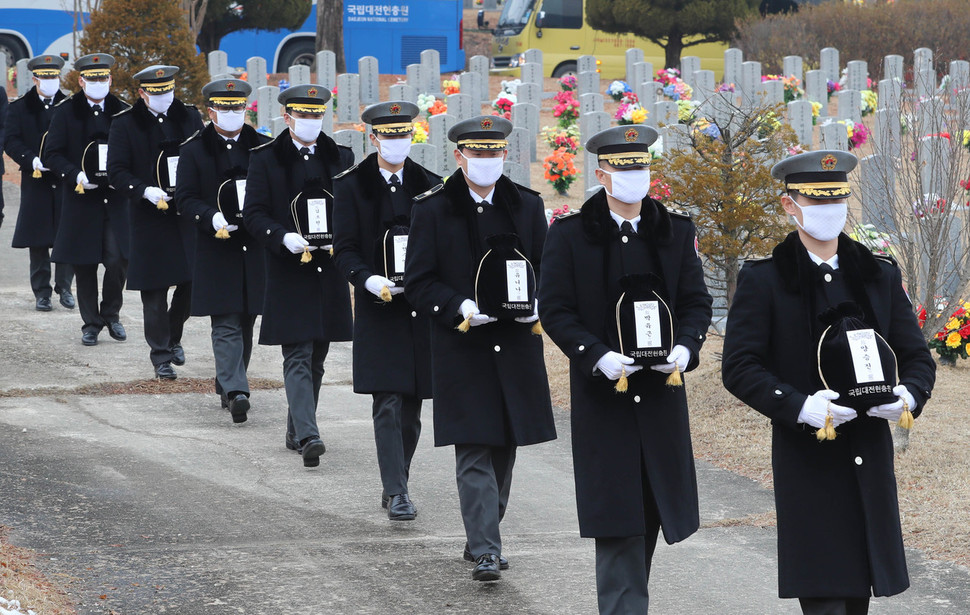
(160, 504)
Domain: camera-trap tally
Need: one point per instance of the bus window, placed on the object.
(562, 14)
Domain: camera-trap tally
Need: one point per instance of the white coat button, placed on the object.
(97, 113)
(858, 461)
(778, 392)
(435, 308)
(228, 145)
(414, 314)
(828, 277)
(106, 200)
(305, 157)
(196, 217)
(131, 187)
(244, 248)
(319, 269)
(581, 348)
(393, 189)
(624, 239)
(497, 348)
(47, 106)
(481, 209)
(161, 119)
(636, 399)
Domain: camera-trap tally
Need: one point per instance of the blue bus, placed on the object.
(393, 31)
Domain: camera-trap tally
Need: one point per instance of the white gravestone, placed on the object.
(526, 115)
(460, 106)
(354, 139)
(402, 91)
(816, 88)
(632, 57)
(479, 66)
(348, 98)
(267, 106)
(688, 66)
(850, 105)
(800, 119)
(413, 76)
(829, 64)
(892, 67)
(533, 56)
(590, 103)
(255, 75)
(327, 69)
(792, 67)
(588, 83)
(532, 73)
(857, 75)
(834, 136)
(586, 64)
(877, 178)
(298, 74)
(425, 155)
(430, 60)
(439, 125)
(733, 58)
(750, 83)
(218, 63)
(369, 80)
(470, 84)
(642, 73)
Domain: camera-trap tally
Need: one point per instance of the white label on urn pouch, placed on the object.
(646, 315)
(400, 252)
(865, 356)
(102, 156)
(317, 215)
(241, 192)
(516, 277)
(173, 167)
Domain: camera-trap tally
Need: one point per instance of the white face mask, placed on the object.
(230, 121)
(307, 129)
(484, 171)
(394, 151)
(629, 186)
(159, 103)
(96, 90)
(823, 222)
(48, 87)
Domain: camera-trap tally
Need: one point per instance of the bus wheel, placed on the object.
(566, 68)
(297, 53)
(14, 50)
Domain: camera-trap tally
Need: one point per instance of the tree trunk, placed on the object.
(195, 14)
(673, 49)
(330, 30)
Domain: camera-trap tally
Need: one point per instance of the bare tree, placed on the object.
(330, 29)
(194, 11)
(80, 8)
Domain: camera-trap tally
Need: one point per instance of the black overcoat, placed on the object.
(80, 232)
(611, 431)
(490, 384)
(40, 205)
(304, 301)
(392, 342)
(228, 275)
(159, 240)
(838, 516)
(3, 118)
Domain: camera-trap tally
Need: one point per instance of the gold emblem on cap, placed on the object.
(829, 162)
(231, 85)
(395, 109)
(312, 92)
(160, 72)
(631, 135)
(486, 124)
(94, 59)
(47, 60)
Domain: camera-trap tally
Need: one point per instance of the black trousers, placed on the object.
(484, 476)
(40, 274)
(232, 346)
(302, 377)
(164, 324)
(834, 606)
(93, 315)
(397, 427)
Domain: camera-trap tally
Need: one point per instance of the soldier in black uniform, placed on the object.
(307, 302)
(27, 121)
(392, 359)
(839, 535)
(94, 216)
(228, 276)
(142, 155)
(3, 118)
(631, 452)
(491, 392)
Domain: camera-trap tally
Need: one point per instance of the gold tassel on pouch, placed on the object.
(222, 233)
(331, 251)
(465, 324)
(79, 188)
(162, 205)
(674, 379)
(906, 418)
(622, 384)
(537, 328)
(386, 294)
(828, 431)
(306, 257)
(36, 174)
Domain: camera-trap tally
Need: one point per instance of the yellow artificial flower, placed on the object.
(817, 107)
(638, 116)
(953, 340)
(953, 324)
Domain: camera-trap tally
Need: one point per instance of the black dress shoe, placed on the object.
(43, 304)
(312, 448)
(67, 299)
(238, 407)
(165, 371)
(89, 338)
(116, 331)
(178, 355)
(486, 568)
(400, 508)
(503, 563)
(292, 444)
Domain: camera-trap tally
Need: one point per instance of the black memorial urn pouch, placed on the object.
(854, 360)
(166, 166)
(231, 195)
(312, 211)
(391, 248)
(505, 283)
(642, 326)
(94, 160)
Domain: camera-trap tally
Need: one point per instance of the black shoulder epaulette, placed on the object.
(124, 111)
(62, 101)
(188, 106)
(345, 147)
(346, 171)
(887, 258)
(677, 212)
(192, 137)
(569, 214)
(262, 145)
(434, 189)
(529, 190)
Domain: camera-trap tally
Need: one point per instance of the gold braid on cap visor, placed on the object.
(306, 108)
(46, 72)
(227, 101)
(483, 143)
(823, 189)
(393, 129)
(95, 72)
(624, 158)
(159, 88)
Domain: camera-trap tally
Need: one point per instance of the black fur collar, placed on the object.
(416, 178)
(286, 152)
(112, 105)
(506, 195)
(599, 227)
(35, 104)
(248, 138)
(857, 261)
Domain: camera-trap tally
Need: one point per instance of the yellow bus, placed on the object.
(559, 28)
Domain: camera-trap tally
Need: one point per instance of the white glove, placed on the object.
(817, 407)
(83, 180)
(38, 165)
(295, 243)
(612, 364)
(469, 310)
(154, 194)
(375, 283)
(219, 221)
(892, 411)
(530, 319)
(678, 358)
